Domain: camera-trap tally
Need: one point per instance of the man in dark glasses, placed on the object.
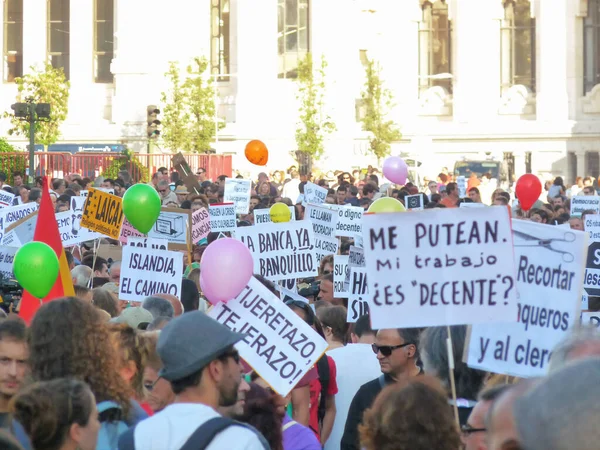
(397, 353)
(474, 432)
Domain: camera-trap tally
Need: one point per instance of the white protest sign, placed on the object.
(591, 282)
(584, 301)
(77, 203)
(71, 233)
(414, 202)
(349, 221)
(356, 258)
(358, 240)
(324, 222)
(472, 205)
(264, 215)
(590, 318)
(283, 293)
(222, 217)
(200, 225)
(7, 256)
(12, 214)
(144, 272)
(358, 293)
(279, 345)
(237, 191)
(281, 250)
(314, 194)
(288, 285)
(549, 275)
(340, 271)
(440, 267)
(461, 183)
(21, 234)
(581, 203)
(154, 244)
(6, 198)
(173, 224)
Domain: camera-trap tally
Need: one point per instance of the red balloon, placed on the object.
(528, 190)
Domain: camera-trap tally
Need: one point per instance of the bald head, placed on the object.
(177, 306)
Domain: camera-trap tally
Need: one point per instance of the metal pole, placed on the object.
(31, 143)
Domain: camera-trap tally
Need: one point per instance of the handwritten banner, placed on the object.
(237, 191)
(154, 244)
(127, 230)
(340, 271)
(7, 257)
(222, 217)
(103, 213)
(314, 194)
(200, 225)
(581, 203)
(324, 222)
(71, 233)
(357, 295)
(6, 198)
(349, 221)
(440, 267)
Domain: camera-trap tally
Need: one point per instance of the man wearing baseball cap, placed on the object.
(204, 370)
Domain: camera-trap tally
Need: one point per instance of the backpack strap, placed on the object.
(205, 433)
(323, 369)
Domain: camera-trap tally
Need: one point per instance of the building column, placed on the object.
(581, 169)
(519, 156)
(34, 34)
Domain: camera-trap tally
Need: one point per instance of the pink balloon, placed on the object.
(206, 292)
(226, 268)
(395, 170)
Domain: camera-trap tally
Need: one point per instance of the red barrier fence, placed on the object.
(91, 165)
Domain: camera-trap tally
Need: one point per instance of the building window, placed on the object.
(219, 39)
(517, 45)
(292, 36)
(591, 45)
(103, 40)
(435, 46)
(13, 40)
(59, 34)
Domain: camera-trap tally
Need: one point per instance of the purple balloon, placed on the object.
(395, 170)
(226, 268)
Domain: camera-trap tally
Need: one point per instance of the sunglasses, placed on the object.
(468, 429)
(386, 350)
(231, 354)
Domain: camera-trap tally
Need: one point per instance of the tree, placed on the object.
(377, 101)
(189, 109)
(12, 163)
(314, 124)
(47, 86)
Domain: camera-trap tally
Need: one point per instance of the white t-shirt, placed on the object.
(356, 364)
(172, 427)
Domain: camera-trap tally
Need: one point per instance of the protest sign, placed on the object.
(581, 203)
(186, 174)
(7, 256)
(103, 213)
(314, 194)
(591, 282)
(285, 294)
(281, 250)
(324, 222)
(590, 318)
(85, 193)
(279, 345)
(145, 272)
(471, 205)
(549, 275)
(289, 284)
(20, 232)
(237, 191)
(357, 295)
(349, 221)
(200, 225)
(154, 244)
(13, 214)
(356, 258)
(6, 198)
(584, 301)
(222, 217)
(127, 230)
(77, 203)
(70, 231)
(174, 225)
(414, 202)
(340, 271)
(461, 183)
(440, 267)
(264, 215)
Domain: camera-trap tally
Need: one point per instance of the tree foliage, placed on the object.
(129, 162)
(377, 102)
(47, 86)
(9, 163)
(314, 123)
(188, 120)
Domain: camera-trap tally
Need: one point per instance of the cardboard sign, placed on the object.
(264, 215)
(154, 244)
(279, 346)
(340, 271)
(581, 203)
(200, 225)
(222, 217)
(6, 198)
(71, 233)
(461, 183)
(548, 283)
(414, 202)
(281, 250)
(7, 256)
(238, 191)
(591, 282)
(440, 267)
(314, 194)
(103, 213)
(349, 221)
(146, 272)
(187, 175)
(174, 225)
(358, 293)
(127, 230)
(324, 222)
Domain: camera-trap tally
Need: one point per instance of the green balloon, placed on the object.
(141, 206)
(36, 268)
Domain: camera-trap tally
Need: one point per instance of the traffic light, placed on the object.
(21, 110)
(43, 110)
(153, 122)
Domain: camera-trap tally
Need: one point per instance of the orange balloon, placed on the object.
(256, 152)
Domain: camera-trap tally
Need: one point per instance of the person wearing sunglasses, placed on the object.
(201, 174)
(397, 353)
(474, 432)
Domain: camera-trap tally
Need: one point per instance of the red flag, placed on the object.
(46, 230)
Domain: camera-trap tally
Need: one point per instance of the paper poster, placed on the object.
(590, 318)
(356, 258)
(472, 205)
(85, 193)
(314, 194)
(414, 202)
(289, 284)
(238, 191)
(200, 225)
(550, 268)
(127, 230)
(357, 294)
(591, 282)
(7, 256)
(349, 221)
(264, 215)
(20, 232)
(103, 213)
(71, 233)
(222, 217)
(461, 183)
(154, 244)
(12, 214)
(440, 267)
(281, 250)
(145, 272)
(279, 345)
(174, 225)
(6, 198)
(340, 271)
(324, 222)
(581, 203)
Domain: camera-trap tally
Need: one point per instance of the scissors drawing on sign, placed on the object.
(532, 241)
